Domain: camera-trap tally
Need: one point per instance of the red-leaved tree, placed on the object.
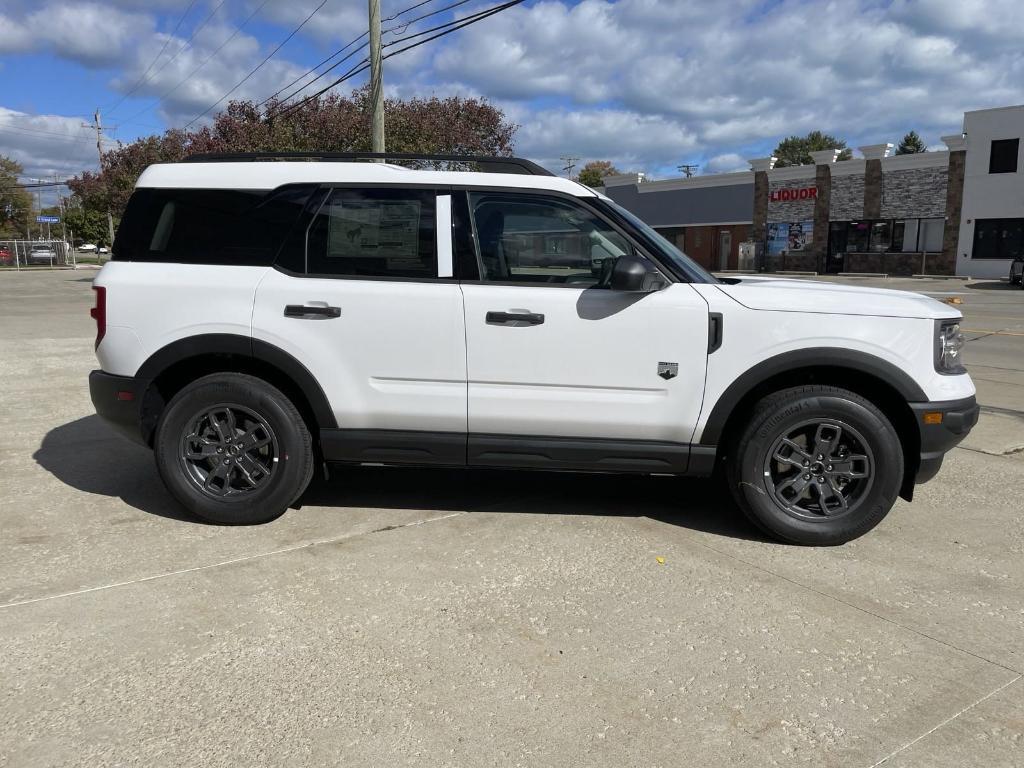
(451, 125)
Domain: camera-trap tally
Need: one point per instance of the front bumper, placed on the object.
(119, 401)
(942, 426)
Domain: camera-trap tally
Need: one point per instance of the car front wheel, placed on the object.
(816, 465)
(233, 449)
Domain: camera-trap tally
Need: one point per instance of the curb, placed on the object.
(941, 277)
(863, 274)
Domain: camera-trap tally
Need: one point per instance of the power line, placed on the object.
(462, 23)
(68, 137)
(336, 64)
(260, 65)
(185, 44)
(205, 61)
(315, 68)
(156, 58)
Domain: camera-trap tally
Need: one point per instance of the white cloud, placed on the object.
(647, 84)
(90, 33)
(48, 145)
(727, 163)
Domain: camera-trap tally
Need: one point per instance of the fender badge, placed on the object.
(668, 370)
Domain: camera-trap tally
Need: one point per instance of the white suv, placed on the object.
(261, 317)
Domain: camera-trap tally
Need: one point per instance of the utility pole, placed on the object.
(688, 169)
(376, 79)
(570, 163)
(99, 153)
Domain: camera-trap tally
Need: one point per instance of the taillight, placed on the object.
(99, 312)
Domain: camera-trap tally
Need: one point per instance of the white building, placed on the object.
(992, 217)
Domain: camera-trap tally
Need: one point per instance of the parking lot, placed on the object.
(472, 618)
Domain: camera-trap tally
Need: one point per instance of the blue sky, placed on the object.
(648, 84)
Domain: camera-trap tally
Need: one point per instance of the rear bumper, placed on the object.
(937, 439)
(119, 401)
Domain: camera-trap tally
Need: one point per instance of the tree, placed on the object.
(595, 172)
(15, 202)
(911, 145)
(88, 225)
(452, 125)
(796, 150)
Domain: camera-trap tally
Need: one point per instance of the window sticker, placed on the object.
(375, 229)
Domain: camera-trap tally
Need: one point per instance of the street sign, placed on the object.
(48, 219)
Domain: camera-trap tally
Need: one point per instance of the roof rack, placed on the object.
(487, 163)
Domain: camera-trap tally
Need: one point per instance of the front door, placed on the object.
(376, 326)
(553, 352)
(724, 249)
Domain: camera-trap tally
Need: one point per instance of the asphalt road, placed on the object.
(435, 618)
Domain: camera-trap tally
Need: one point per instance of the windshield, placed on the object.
(665, 250)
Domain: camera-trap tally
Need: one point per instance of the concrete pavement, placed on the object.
(443, 618)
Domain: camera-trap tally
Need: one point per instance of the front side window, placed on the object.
(537, 239)
(374, 233)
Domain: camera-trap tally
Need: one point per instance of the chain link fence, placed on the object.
(42, 254)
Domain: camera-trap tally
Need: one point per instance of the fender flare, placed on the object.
(812, 357)
(243, 346)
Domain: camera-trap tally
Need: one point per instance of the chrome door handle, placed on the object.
(303, 312)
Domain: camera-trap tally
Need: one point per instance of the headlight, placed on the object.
(949, 345)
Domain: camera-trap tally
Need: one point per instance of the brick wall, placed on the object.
(790, 210)
(954, 208)
(847, 200)
(872, 189)
(914, 193)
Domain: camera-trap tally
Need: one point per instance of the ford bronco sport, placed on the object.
(265, 314)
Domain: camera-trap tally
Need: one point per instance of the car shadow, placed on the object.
(88, 456)
(993, 285)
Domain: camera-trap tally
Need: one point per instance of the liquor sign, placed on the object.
(789, 195)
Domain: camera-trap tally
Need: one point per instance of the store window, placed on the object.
(886, 236)
(1003, 156)
(998, 238)
(929, 236)
(858, 236)
(881, 236)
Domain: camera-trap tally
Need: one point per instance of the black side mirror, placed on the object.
(635, 275)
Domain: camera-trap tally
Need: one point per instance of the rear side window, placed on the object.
(374, 233)
(208, 226)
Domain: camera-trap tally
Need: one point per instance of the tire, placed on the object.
(232, 449)
(822, 503)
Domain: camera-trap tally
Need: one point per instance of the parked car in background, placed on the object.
(103, 249)
(6, 257)
(87, 248)
(42, 253)
(1017, 271)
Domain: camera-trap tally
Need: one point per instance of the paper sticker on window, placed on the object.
(374, 229)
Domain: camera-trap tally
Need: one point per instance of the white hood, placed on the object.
(782, 295)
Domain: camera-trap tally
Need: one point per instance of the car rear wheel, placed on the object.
(816, 465)
(232, 449)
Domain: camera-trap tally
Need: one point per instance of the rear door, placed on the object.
(555, 353)
(367, 302)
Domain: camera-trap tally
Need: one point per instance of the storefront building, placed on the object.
(944, 212)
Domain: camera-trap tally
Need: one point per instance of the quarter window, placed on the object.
(374, 233)
(536, 239)
(208, 226)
